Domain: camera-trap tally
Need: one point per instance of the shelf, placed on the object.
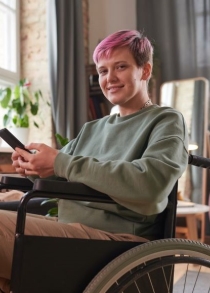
(98, 105)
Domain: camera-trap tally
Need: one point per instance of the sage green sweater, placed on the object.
(135, 159)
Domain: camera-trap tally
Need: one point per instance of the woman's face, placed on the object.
(123, 83)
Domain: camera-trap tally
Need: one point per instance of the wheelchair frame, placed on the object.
(33, 254)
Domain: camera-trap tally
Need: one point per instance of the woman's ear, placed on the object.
(147, 71)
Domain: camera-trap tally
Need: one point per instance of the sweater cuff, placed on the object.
(60, 161)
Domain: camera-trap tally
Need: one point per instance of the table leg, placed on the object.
(192, 227)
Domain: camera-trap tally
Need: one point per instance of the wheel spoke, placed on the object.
(196, 278)
(185, 278)
(168, 283)
(153, 290)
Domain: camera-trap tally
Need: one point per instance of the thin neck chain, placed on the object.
(147, 104)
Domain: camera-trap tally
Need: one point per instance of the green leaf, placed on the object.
(35, 124)
(53, 212)
(34, 108)
(61, 140)
(18, 107)
(22, 82)
(16, 92)
(36, 95)
(49, 200)
(26, 94)
(40, 93)
(5, 97)
(15, 120)
(6, 120)
(24, 122)
(21, 98)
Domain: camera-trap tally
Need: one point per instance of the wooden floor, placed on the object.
(191, 278)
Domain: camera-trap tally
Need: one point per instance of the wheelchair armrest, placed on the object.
(16, 183)
(23, 184)
(69, 190)
(44, 188)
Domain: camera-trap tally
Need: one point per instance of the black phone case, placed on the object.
(6, 135)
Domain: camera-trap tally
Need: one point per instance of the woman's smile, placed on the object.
(114, 88)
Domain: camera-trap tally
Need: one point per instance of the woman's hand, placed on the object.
(40, 163)
(15, 158)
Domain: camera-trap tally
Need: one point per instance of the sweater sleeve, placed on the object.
(141, 185)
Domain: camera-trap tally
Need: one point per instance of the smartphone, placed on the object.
(7, 136)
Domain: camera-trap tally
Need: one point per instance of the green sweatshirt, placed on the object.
(135, 159)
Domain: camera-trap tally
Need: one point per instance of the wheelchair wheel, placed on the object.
(168, 265)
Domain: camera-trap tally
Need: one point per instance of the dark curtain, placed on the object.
(180, 30)
(67, 66)
(196, 135)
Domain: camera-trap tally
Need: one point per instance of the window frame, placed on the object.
(8, 77)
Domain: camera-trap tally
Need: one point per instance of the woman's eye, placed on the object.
(121, 66)
(102, 72)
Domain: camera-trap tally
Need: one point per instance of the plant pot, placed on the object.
(22, 133)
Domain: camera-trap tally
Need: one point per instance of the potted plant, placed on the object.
(20, 105)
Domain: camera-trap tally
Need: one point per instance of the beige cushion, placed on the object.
(12, 195)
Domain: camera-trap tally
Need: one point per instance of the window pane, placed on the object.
(1, 111)
(7, 37)
(10, 3)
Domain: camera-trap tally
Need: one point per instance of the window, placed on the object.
(9, 42)
(9, 45)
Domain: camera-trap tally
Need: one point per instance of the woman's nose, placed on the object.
(111, 76)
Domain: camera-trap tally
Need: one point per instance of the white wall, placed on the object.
(108, 16)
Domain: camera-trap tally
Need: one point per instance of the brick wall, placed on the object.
(34, 59)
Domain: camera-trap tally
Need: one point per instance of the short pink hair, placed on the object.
(140, 47)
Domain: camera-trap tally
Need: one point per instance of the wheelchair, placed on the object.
(52, 264)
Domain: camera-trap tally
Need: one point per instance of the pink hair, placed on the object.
(139, 46)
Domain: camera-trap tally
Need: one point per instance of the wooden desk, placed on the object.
(190, 214)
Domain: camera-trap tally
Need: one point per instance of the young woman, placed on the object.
(135, 157)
